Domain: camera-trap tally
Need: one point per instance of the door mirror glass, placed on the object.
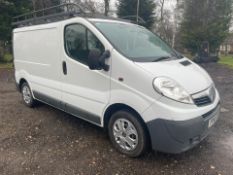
(96, 61)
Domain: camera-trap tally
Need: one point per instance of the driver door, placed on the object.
(85, 92)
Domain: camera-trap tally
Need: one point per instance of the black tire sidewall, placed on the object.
(142, 137)
(32, 101)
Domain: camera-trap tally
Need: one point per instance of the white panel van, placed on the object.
(119, 76)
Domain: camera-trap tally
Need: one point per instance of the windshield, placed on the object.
(136, 42)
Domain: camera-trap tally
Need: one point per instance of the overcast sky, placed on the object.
(170, 4)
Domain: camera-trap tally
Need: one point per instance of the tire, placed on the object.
(27, 95)
(133, 141)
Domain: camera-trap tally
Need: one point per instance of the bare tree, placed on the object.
(40, 4)
(161, 4)
(179, 11)
(162, 21)
(100, 7)
(106, 7)
(165, 25)
(89, 5)
(34, 5)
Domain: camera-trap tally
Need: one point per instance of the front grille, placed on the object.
(205, 97)
(202, 101)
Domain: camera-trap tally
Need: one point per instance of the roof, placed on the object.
(74, 19)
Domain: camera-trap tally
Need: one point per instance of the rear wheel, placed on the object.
(27, 95)
(127, 134)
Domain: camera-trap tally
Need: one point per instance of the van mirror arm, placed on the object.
(96, 61)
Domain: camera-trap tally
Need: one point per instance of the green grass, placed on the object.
(6, 61)
(8, 58)
(226, 60)
(6, 65)
(189, 56)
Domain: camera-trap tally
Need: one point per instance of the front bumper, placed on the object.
(179, 136)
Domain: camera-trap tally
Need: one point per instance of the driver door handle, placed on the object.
(64, 68)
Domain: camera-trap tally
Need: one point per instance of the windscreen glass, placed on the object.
(135, 42)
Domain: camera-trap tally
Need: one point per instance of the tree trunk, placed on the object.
(106, 3)
(2, 51)
(162, 17)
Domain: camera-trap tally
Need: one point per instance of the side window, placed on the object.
(79, 41)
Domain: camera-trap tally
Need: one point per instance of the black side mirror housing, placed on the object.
(96, 61)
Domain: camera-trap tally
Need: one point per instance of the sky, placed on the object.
(169, 4)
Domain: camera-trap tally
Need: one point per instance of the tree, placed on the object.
(41, 4)
(205, 21)
(88, 5)
(92, 6)
(178, 18)
(165, 24)
(165, 28)
(106, 7)
(9, 9)
(146, 10)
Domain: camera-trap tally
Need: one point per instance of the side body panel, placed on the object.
(37, 59)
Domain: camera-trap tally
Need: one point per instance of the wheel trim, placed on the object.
(125, 134)
(26, 94)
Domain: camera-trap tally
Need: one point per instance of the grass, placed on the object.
(8, 58)
(6, 65)
(189, 56)
(226, 60)
(7, 61)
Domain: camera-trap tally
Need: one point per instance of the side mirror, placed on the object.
(96, 61)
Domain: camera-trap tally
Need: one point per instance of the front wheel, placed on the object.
(127, 134)
(27, 95)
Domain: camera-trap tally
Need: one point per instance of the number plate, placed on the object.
(212, 121)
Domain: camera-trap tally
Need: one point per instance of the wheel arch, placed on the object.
(21, 81)
(120, 106)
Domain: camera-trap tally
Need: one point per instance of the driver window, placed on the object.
(79, 41)
(94, 43)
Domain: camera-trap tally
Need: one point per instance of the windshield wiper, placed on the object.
(162, 58)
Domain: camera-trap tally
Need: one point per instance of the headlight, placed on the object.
(172, 90)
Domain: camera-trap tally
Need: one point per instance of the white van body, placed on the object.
(173, 127)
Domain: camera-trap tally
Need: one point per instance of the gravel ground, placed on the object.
(44, 140)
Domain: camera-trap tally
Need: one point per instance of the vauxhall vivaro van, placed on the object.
(119, 76)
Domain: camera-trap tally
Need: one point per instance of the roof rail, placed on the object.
(61, 12)
(51, 14)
